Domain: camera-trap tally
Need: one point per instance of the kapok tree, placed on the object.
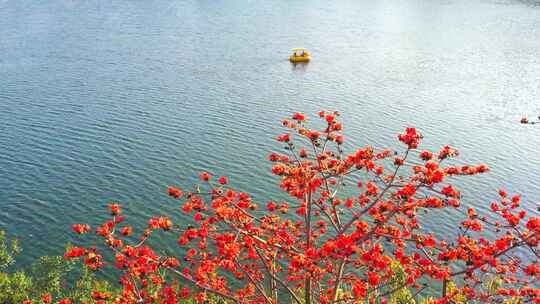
(350, 233)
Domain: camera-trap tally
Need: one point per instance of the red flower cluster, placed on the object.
(80, 228)
(115, 209)
(326, 244)
(175, 192)
(411, 138)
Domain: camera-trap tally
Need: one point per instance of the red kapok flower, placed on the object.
(198, 217)
(74, 252)
(115, 209)
(126, 230)
(223, 180)
(205, 176)
(97, 295)
(373, 278)
(482, 168)
(426, 155)
(184, 293)
(93, 260)
(80, 228)
(46, 298)
(284, 138)
(298, 116)
(360, 289)
(411, 138)
(165, 223)
(201, 297)
(271, 206)
(175, 192)
(314, 135)
(330, 118)
(532, 270)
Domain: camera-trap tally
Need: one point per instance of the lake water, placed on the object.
(115, 100)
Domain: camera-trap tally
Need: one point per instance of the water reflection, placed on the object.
(299, 66)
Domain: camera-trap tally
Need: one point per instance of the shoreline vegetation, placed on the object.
(47, 276)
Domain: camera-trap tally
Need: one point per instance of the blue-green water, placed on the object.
(115, 100)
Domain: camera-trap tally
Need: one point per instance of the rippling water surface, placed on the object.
(115, 100)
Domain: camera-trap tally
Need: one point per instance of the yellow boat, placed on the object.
(300, 55)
